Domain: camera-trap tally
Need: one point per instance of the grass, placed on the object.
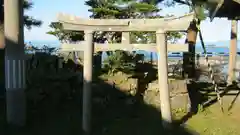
(115, 117)
(128, 120)
(211, 121)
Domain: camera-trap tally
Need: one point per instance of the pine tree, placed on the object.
(29, 21)
(62, 35)
(123, 9)
(119, 9)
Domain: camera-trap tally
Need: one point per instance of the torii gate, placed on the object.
(14, 57)
(160, 26)
(15, 65)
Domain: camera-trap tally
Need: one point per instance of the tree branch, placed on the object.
(182, 2)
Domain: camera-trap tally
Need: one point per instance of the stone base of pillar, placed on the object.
(16, 107)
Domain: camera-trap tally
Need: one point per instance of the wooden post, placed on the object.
(232, 52)
(163, 78)
(14, 62)
(189, 57)
(87, 74)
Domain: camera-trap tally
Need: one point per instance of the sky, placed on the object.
(47, 10)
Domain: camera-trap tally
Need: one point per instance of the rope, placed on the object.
(210, 69)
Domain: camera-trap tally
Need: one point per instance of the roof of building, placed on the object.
(224, 8)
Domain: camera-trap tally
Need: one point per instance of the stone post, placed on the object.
(14, 62)
(163, 78)
(87, 75)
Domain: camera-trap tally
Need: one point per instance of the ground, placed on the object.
(143, 122)
(212, 122)
(114, 115)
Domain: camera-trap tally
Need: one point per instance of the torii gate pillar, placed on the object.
(87, 86)
(14, 62)
(163, 78)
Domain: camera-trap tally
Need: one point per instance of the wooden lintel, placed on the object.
(168, 24)
(125, 47)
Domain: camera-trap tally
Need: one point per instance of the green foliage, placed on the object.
(198, 6)
(120, 9)
(45, 80)
(29, 21)
(123, 61)
(63, 35)
(123, 9)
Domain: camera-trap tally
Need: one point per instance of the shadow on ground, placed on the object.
(202, 95)
(113, 112)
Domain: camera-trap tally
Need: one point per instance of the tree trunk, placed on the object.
(189, 67)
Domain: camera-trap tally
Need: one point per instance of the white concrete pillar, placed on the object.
(87, 75)
(163, 78)
(14, 62)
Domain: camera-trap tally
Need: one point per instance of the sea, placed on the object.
(219, 47)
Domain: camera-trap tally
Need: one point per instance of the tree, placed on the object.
(119, 9)
(123, 9)
(29, 21)
(64, 35)
(116, 9)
